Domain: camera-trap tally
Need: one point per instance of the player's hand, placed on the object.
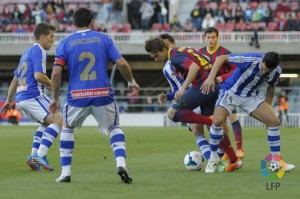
(54, 107)
(134, 89)
(208, 84)
(6, 107)
(179, 94)
(162, 98)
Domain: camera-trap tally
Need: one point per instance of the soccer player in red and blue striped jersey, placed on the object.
(193, 68)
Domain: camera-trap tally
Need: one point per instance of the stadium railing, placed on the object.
(180, 37)
(133, 110)
(246, 121)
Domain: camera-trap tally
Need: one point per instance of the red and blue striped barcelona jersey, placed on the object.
(226, 68)
(183, 57)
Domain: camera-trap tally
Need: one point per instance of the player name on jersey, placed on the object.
(97, 92)
(84, 40)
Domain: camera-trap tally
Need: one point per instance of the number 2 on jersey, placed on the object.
(86, 73)
(22, 69)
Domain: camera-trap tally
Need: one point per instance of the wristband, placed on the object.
(132, 83)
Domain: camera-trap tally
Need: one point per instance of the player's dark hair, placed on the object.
(155, 44)
(82, 17)
(42, 29)
(271, 59)
(211, 30)
(167, 36)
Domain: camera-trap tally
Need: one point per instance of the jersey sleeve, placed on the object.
(225, 76)
(174, 80)
(38, 60)
(60, 58)
(274, 78)
(113, 52)
(173, 85)
(181, 62)
(16, 72)
(243, 60)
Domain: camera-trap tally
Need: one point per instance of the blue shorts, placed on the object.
(193, 97)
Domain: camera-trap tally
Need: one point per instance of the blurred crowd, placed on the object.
(241, 15)
(153, 15)
(22, 17)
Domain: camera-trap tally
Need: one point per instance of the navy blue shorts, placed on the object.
(193, 97)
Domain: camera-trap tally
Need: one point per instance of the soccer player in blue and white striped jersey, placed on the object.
(86, 53)
(241, 90)
(30, 80)
(213, 49)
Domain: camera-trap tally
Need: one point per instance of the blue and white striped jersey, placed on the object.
(33, 60)
(175, 80)
(248, 78)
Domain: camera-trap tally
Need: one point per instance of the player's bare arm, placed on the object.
(209, 83)
(193, 70)
(270, 94)
(54, 106)
(43, 79)
(125, 70)
(10, 95)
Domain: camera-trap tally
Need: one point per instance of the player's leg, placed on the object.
(202, 143)
(37, 139)
(72, 117)
(53, 124)
(50, 133)
(182, 109)
(220, 151)
(237, 132)
(265, 113)
(216, 135)
(37, 109)
(187, 116)
(198, 131)
(286, 116)
(234, 162)
(108, 122)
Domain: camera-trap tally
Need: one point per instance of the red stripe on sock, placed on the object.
(226, 146)
(189, 116)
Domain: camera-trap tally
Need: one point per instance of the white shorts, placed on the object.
(36, 108)
(230, 102)
(107, 116)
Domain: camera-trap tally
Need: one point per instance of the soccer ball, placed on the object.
(193, 161)
(274, 167)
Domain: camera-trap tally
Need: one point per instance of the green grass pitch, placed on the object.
(155, 160)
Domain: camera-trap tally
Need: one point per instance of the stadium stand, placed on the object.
(60, 14)
(130, 41)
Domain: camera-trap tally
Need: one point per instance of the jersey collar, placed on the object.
(169, 53)
(39, 45)
(213, 51)
(80, 31)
